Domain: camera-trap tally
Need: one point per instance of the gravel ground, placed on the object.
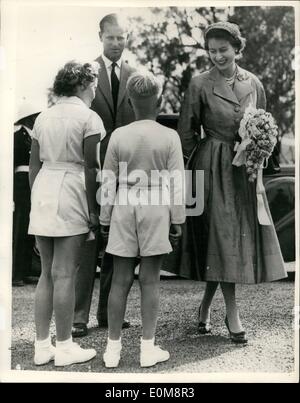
(266, 311)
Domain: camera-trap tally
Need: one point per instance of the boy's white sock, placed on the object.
(151, 354)
(113, 343)
(64, 344)
(43, 343)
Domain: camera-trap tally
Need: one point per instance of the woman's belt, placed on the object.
(215, 136)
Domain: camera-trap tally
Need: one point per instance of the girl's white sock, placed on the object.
(43, 343)
(64, 344)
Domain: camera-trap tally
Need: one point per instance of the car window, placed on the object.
(287, 149)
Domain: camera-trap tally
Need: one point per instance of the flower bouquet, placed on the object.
(259, 133)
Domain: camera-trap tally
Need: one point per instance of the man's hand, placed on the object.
(94, 222)
(175, 234)
(104, 231)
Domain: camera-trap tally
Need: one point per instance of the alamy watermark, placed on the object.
(153, 187)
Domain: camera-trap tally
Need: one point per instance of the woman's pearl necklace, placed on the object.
(231, 79)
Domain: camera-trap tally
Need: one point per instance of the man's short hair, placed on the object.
(142, 85)
(113, 19)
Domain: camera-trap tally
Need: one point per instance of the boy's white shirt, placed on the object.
(145, 146)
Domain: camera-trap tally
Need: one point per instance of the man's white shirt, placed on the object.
(108, 65)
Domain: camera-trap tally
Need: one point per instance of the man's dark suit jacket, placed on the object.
(103, 103)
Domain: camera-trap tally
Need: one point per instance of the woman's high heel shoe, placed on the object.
(203, 327)
(239, 338)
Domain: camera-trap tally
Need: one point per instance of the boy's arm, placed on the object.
(177, 181)
(91, 167)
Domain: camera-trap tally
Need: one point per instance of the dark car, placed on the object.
(280, 189)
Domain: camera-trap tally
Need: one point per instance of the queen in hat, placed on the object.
(224, 243)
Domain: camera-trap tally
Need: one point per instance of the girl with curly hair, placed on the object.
(62, 175)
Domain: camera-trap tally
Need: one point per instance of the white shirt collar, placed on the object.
(108, 62)
(71, 100)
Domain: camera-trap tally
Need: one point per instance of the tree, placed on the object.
(270, 37)
(171, 45)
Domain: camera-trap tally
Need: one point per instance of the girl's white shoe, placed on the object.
(72, 354)
(44, 354)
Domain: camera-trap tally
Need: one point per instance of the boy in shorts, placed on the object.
(142, 209)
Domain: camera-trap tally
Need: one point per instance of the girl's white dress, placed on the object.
(58, 198)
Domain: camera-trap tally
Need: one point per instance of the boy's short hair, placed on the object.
(143, 85)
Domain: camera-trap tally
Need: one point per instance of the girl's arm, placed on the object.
(90, 147)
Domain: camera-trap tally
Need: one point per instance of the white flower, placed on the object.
(259, 135)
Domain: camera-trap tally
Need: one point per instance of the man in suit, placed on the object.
(111, 103)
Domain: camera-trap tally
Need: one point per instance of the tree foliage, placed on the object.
(270, 44)
(171, 44)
